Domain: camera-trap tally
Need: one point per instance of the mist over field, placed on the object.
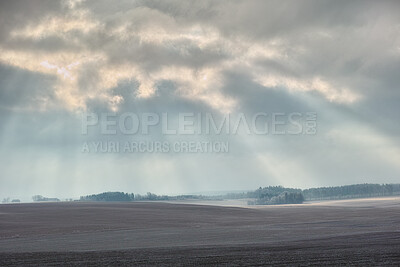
(61, 60)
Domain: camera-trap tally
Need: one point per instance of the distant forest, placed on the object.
(271, 195)
(351, 191)
(121, 196)
(39, 198)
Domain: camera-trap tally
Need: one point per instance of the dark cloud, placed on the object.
(21, 89)
(17, 14)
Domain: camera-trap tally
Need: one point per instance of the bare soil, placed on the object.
(154, 233)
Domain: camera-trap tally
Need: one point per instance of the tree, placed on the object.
(36, 198)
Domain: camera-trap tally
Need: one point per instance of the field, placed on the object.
(351, 232)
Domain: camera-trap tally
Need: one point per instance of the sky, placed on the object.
(63, 60)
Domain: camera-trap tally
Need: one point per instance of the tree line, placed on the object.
(270, 195)
(280, 195)
(121, 196)
(282, 198)
(109, 196)
(351, 191)
(40, 198)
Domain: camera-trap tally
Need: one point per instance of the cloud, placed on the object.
(59, 59)
(151, 42)
(15, 94)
